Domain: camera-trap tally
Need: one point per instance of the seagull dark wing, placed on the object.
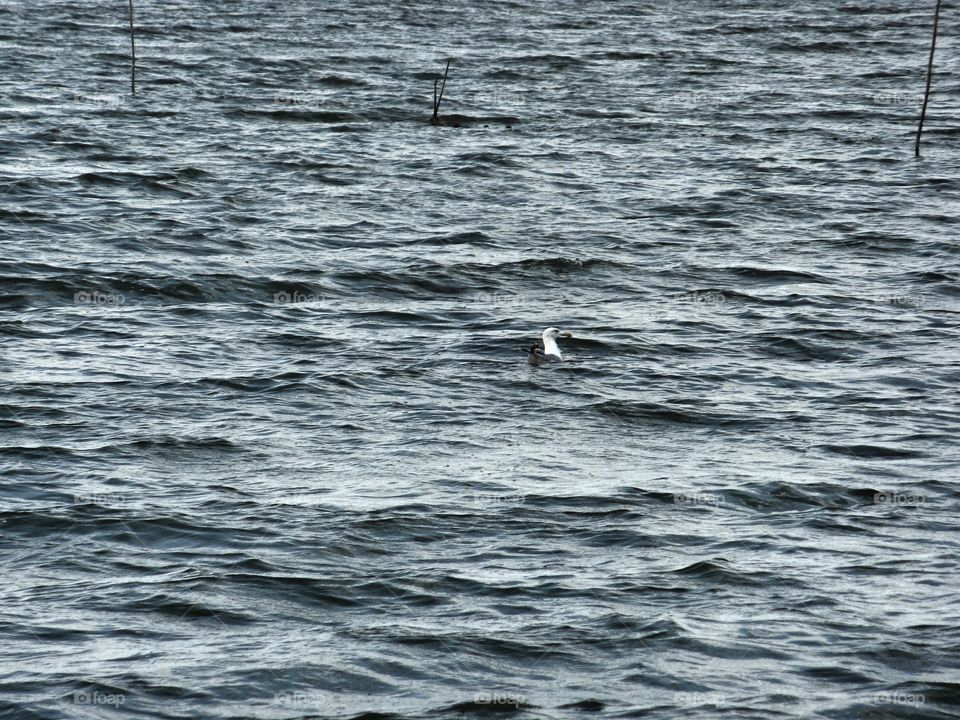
(535, 354)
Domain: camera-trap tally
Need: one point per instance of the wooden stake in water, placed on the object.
(133, 56)
(435, 120)
(926, 95)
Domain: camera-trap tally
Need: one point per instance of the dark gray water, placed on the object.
(270, 446)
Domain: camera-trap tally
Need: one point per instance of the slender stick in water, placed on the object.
(926, 95)
(133, 56)
(436, 104)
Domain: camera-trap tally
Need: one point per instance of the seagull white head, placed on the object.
(552, 333)
(549, 352)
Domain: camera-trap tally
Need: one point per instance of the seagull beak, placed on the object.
(566, 334)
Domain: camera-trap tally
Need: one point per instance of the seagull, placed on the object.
(546, 350)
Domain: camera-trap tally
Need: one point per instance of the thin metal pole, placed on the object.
(436, 107)
(133, 56)
(926, 95)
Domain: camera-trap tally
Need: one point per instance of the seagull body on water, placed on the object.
(546, 350)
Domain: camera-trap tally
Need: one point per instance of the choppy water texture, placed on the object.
(271, 448)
